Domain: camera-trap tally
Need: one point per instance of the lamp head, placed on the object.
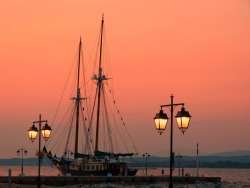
(46, 131)
(32, 133)
(161, 120)
(183, 119)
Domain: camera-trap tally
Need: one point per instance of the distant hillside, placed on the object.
(164, 153)
(204, 161)
(232, 153)
(219, 161)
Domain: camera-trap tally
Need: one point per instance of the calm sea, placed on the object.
(235, 178)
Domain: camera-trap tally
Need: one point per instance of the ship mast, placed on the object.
(99, 79)
(78, 97)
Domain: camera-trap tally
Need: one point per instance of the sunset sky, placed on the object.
(197, 50)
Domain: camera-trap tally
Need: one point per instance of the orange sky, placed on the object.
(197, 50)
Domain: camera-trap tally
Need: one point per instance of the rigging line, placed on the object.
(84, 67)
(132, 142)
(63, 90)
(114, 120)
(60, 138)
(92, 114)
(117, 127)
(107, 121)
(103, 143)
(96, 65)
(84, 83)
(92, 52)
(87, 147)
(84, 70)
(81, 130)
(104, 133)
(92, 111)
(130, 137)
(123, 122)
(70, 130)
(58, 132)
(106, 52)
(87, 102)
(66, 121)
(95, 46)
(90, 57)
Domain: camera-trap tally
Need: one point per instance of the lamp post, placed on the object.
(22, 151)
(146, 155)
(179, 158)
(161, 119)
(45, 131)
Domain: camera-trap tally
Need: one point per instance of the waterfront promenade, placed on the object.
(74, 180)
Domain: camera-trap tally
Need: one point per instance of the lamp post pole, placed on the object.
(146, 155)
(45, 132)
(161, 119)
(171, 105)
(39, 150)
(179, 158)
(22, 150)
(171, 143)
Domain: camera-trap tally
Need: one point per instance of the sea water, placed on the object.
(235, 178)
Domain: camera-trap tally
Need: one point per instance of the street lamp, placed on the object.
(45, 131)
(146, 155)
(179, 158)
(183, 118)
(22, 151)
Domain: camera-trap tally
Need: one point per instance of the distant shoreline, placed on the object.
(237, 162)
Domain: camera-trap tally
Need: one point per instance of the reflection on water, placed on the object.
(29, 170)
(235, 178)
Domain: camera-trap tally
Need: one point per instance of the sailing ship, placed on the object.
(89, 109)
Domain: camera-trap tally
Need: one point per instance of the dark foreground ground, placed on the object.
(28, 181)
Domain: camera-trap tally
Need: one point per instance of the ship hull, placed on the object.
(112, 171)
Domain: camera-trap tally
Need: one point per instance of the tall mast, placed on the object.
(99, 85)
(78, 97)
